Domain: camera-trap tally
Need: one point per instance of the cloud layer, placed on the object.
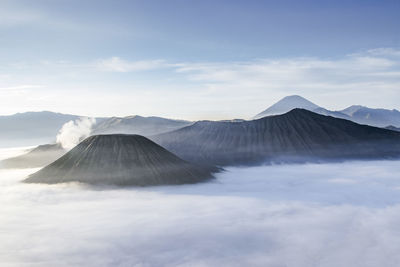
(290, 215)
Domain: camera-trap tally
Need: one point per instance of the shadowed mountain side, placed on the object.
(138, 125)
(391, 127)
(121, 160)
(296, 136)
(37, 157)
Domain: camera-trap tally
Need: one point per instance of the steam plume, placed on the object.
(72, 132)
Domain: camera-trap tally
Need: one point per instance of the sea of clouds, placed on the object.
(343, 214)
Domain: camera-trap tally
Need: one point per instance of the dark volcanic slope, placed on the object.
(391, 127)
(295, 136)
(120, 160)
(37, 157)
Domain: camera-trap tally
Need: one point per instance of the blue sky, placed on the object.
(196, 59)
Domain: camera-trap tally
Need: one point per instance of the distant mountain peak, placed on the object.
(286, 104)
(294, 97)
(352, 109)
(373, 116)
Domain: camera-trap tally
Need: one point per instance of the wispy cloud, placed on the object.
(282, 73)
(291, 72)
(20, 87)
(378, 66)
(358, 76)
(384, 52)
(17, 91)
(116, 64)
(212, 90)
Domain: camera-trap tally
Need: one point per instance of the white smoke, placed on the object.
(72, 132)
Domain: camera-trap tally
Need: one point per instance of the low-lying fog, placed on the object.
(345, 214)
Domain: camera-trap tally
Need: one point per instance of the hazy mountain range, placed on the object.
(356, 113)
(146, 126)
(36, 157)
(31, 128)
(296, 136)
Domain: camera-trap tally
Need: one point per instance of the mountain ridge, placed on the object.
(378, 117)
(138, 125)
(291, 137)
